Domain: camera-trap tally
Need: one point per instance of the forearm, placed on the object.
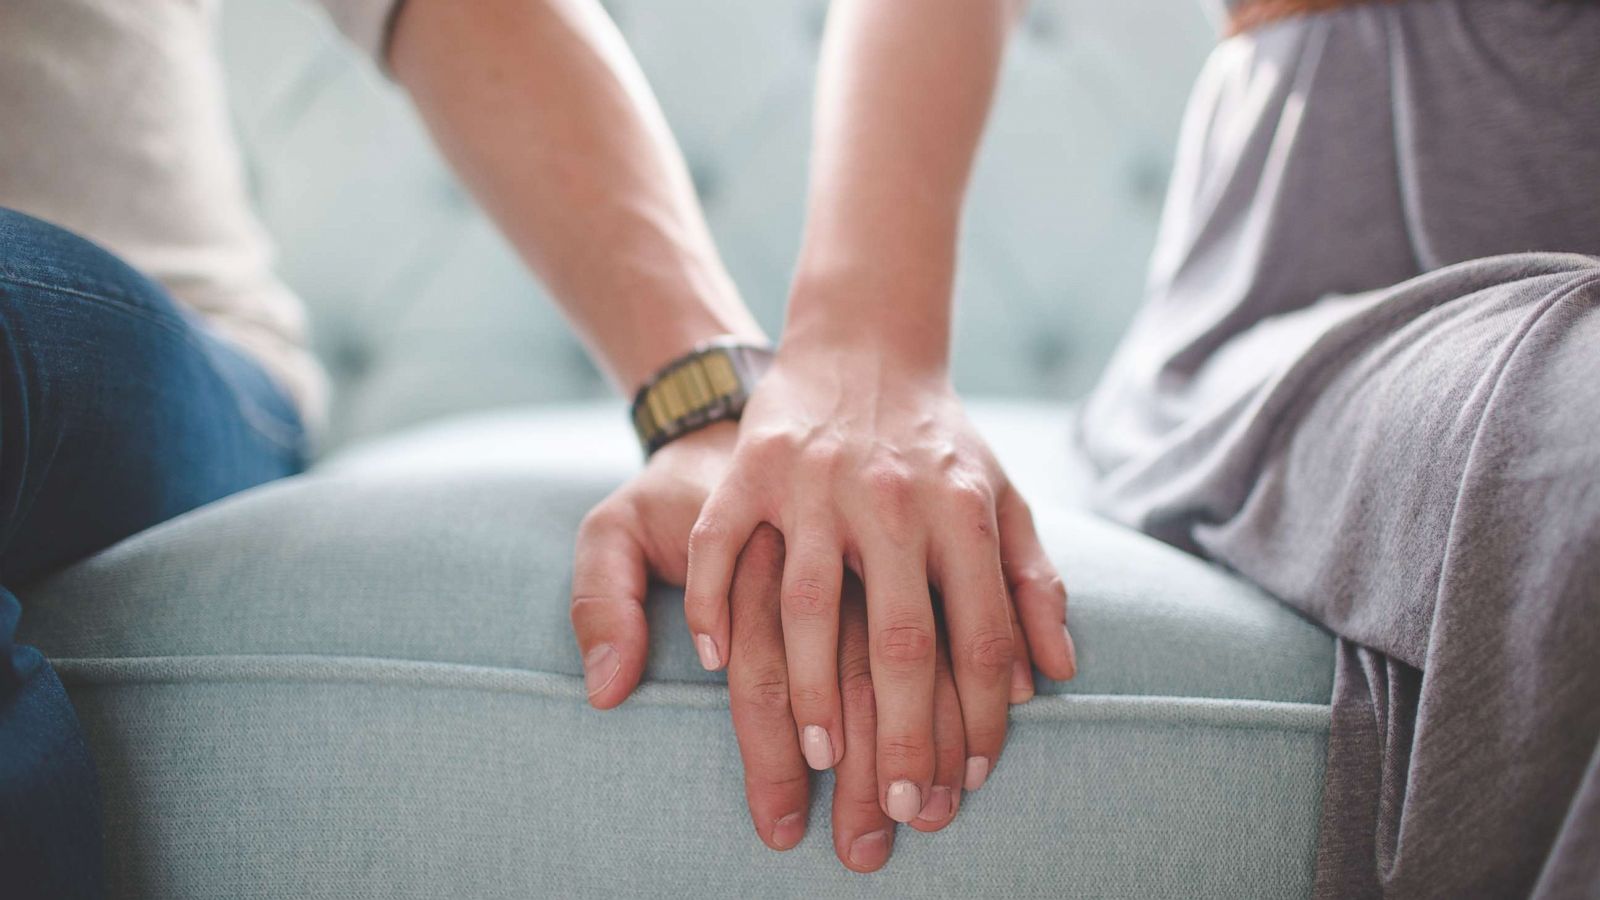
(902, 97)
(542, 111)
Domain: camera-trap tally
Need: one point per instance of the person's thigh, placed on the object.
(117, 411)
(1435, 501)
(1372, 467)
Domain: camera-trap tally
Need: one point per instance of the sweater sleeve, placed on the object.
(366, 23)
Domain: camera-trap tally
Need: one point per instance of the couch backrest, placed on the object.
(419, 309)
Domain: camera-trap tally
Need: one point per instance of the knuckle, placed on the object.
(825, 456)
(1056, 587)
(776, 783)
(890, 484)
(583, 604)
(767, 447)
(854, 653)
(984, 740)
(808, 697)
(905, 644)
(1041, 580)
(857, 694)
(969, 496)
(989, 653)
(767, 693)
(972, 506)
(808, 598)
(899, 753)
(601, 518)
(708, 534)
(1011, 504)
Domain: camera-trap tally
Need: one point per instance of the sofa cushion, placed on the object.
(361, 682)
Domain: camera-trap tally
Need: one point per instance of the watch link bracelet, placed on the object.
(708, 384)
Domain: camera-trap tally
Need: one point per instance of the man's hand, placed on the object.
(775, 774)
(868, 465)
(640, 531)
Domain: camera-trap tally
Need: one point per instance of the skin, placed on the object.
(855, 446)
(544, 114)
(776, 782)
(854, 452)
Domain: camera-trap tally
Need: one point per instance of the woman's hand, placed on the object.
(775, 779)
(867, 461)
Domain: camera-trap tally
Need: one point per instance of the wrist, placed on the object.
(848, 329)
(713, 443)
(661, 339)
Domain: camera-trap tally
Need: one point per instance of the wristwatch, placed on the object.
(708, 384)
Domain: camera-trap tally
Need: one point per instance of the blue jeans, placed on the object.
(117, 411)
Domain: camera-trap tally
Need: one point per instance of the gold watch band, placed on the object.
(709, 384)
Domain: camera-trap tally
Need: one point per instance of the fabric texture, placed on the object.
(361, 682)
(420, 309)
(1354, 384)
(117, 128)
(116, 412)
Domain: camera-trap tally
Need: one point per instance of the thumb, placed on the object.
(608, 588)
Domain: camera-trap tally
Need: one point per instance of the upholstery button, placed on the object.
(1048, 351)
(1147, 181)
(816, 20)
(348, 358)
(451, 195)
(707, 180)
(1042, 25)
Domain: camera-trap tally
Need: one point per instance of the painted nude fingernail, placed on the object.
(1072, 654)
(905, 801)
(707, 648)
(870, 850)
(977, 772)
(818, 749)
(789, 830)
(600, 667)
(939, 805)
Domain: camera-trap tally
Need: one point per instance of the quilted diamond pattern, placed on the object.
(420, 309)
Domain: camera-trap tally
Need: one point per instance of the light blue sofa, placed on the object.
(361, 682)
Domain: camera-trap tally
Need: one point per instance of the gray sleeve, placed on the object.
(366, 23)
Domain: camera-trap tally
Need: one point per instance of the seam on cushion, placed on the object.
(1158, 710)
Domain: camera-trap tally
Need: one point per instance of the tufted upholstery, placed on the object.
(361, 682)
(419, 308)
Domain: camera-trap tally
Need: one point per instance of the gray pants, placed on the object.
(1352, 384)
(1425, 482)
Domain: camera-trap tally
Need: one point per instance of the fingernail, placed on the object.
(600, 667)
(1021, 682)
(818, 749)
(707, 649)
(870, 850)
(789, 830)
(977, 772)
(1072, 654)
(905, 801)
(939, 805)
